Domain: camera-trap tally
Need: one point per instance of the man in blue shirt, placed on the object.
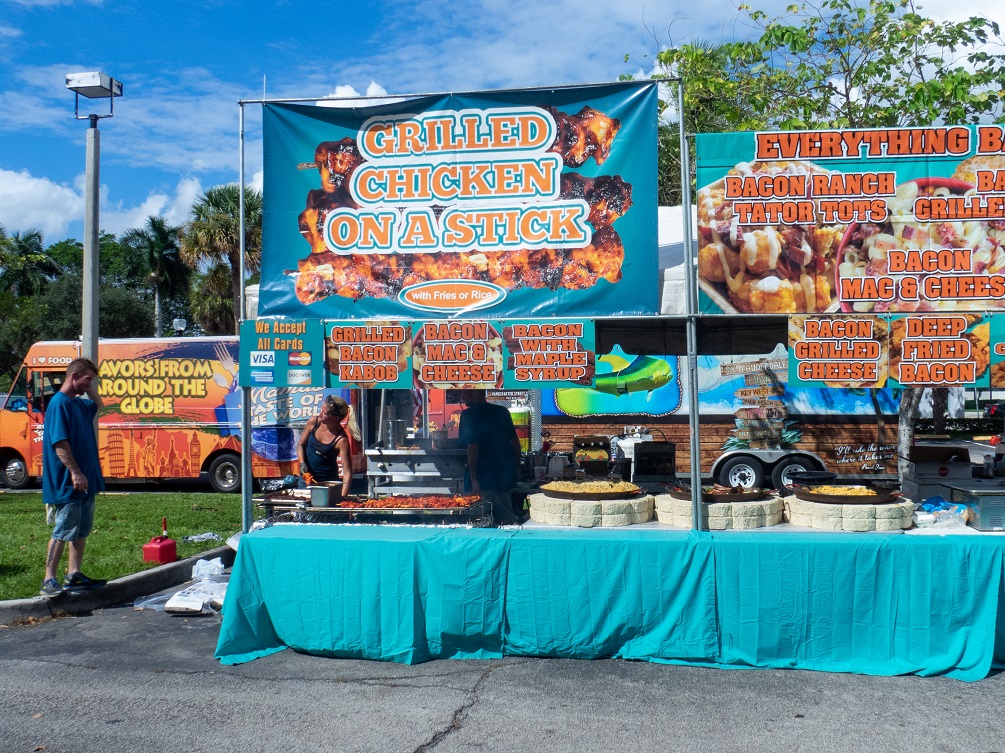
(71, 474)
(487, 431)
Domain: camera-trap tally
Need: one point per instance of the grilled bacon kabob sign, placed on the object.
(463, 206)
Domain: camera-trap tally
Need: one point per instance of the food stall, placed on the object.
(408, 297)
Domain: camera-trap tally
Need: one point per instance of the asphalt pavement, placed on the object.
(116, 679)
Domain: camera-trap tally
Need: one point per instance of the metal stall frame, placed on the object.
(691, 287)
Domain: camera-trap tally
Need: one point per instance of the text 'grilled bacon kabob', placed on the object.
(589, 133)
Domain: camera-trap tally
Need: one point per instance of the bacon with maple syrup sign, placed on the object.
(428, 502)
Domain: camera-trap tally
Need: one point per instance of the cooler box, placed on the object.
(985, 500)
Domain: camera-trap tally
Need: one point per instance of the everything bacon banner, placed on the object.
(870, 221)
(500, 204)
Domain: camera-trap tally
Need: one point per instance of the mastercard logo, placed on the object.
(300, 358)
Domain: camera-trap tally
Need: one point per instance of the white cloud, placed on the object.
(175, 209)
(9, 32)
(27, 202)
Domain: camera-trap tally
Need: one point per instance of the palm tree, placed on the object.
(212, 236)
(158, 244)
(210, 300)
(25, 268)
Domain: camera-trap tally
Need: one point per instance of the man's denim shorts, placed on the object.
(74, 520)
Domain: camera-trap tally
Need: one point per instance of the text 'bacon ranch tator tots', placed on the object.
(761, 256)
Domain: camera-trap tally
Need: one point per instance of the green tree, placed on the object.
(157, 244)
(846, 64)
(121, 313)
(212, 237)
(211, 300)
(26, 268)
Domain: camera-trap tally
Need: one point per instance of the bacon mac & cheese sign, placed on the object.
(497, 204)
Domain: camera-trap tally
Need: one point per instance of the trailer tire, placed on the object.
(742, 470)
(780, 473)
(225, 473)
(15, 472)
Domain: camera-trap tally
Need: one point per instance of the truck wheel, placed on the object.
(225, 474)
(742, 471)
(15, 473)
(780, 474)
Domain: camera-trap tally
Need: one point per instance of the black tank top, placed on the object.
(322, 459)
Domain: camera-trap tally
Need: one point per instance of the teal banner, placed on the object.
(898, 350)
(548, 353)
(865, 221)
(501, 204)
(368, 354)
(281, 353)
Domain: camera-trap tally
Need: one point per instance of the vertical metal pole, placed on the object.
(691, 289)
(89, 324)
(247, 482)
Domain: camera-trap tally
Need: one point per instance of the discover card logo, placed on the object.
(263, 358)
(298, 376)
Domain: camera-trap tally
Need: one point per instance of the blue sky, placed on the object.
(186, 63)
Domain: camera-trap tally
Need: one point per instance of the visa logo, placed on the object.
(263, 358)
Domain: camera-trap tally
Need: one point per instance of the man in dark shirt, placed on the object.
(486, 430)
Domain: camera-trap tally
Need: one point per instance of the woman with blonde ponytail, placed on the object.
(324, 445)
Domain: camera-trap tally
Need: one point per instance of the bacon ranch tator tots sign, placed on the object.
(901, 220)
(498, 204)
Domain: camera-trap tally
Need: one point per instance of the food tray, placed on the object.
(475, 514)
(880, 497)
(587, 495)
(709, 498)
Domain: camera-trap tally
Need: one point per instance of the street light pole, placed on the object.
(89, 330)
(92, 85)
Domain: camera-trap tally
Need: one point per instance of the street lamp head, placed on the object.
(179, 326)
(93, 85)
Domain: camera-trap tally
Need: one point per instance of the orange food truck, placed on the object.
(172, 410)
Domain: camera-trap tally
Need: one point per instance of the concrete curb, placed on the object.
(120, 591)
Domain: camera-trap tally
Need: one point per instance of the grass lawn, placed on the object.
(123, 523)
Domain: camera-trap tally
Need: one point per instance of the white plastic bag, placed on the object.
(207, 568)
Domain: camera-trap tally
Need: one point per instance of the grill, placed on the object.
(592, 453)
(654, 462)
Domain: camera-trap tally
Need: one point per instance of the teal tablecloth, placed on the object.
(865, 603)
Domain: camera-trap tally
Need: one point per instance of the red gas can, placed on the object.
(161, 549)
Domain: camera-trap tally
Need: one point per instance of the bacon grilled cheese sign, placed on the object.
(864, 221)
(508, 204)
